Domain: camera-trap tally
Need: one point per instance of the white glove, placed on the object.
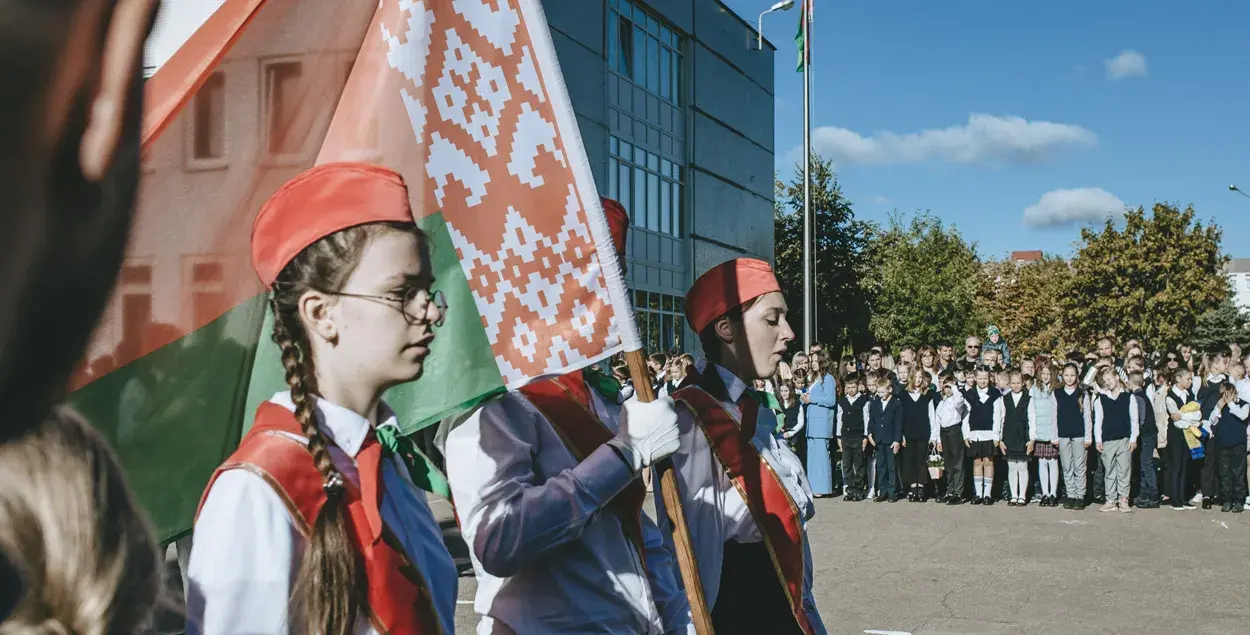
(648, 432)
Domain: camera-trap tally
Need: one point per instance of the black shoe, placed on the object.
(1100, 500)
(954, 500)
(1237, 509)
(1226, 507)
(1068, 503)
(895, 498)
(1013, 503)
(977, 501)
(879, 498)
(1206, 503)
(989, 500)
(1154, 505)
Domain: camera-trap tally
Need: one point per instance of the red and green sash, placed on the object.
(766, 496)
(565, 402)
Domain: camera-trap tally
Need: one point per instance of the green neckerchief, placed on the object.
(420, 468)
(607, 387)
(764, 398)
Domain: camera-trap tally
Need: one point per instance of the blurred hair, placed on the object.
(87, 552)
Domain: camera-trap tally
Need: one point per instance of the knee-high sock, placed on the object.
(1013, 479)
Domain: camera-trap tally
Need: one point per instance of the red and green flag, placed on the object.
(803, 38)
(464, 98)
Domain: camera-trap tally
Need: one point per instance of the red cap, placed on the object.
(618, 223)
(326, 199)
(726, 286)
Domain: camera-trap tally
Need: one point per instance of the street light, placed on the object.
(784, 5)
(1234, 188)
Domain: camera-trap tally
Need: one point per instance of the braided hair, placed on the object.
(330, 590)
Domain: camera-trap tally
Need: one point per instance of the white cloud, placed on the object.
(880, 200)
(1129, 63)
(984, 139)
(1078, 205)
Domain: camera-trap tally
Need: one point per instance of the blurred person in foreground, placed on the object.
(70, 115)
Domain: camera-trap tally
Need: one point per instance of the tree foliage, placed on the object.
(840, 244)
(1024, 302)
(1221, 326)
(1150, 280)
(924, 282)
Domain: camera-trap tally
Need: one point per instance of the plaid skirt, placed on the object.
(1044, 450)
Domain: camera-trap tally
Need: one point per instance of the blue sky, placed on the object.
(979, 111)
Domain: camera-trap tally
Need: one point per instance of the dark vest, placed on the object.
(916, 416)
(981, 415)
(1016, 421)
(1177, 401)
(1148, 426)
(790, 415)
(853, 425)
(1115, 417)
(1209, 395)
(1068, 412)
(1230, 431)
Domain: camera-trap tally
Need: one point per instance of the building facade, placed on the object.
(673, 101)
(1238, 272)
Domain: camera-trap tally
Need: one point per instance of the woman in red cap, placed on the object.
(546, 483)
(311, 526)
(745, 495)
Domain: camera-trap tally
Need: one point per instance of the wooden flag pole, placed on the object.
(699, 614)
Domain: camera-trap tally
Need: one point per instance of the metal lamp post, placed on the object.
(784, 5)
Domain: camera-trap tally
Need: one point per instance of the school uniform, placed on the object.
(1147, 440)
(918, 432)
(793, 421)
(1230, 438)
(725, 451)
(1075, 431)
(1178, 450)
(1044, 432)
(1018, 419)
(950, 418)
(252, 526)
(983, 422)
(853, 416)
(823, 402)
(885, 418)
(1116, 422)
(553, 517)
(1208, 396)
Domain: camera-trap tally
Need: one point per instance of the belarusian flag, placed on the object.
(803, 39)
(466, 100)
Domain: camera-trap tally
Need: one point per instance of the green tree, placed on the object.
(1023, 301)
(1150, 280)
(1221, 326)
(924, 283)
(839, 257)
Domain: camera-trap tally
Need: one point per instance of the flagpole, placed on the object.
(808, 317)
(700, 617)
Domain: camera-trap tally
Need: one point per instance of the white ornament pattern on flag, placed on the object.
(537, 286)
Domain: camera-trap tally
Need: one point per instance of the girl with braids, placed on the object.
(311, 526)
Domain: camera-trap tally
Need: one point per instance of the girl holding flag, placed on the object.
(746, 496)
(311, 526)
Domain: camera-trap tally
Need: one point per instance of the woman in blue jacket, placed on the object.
(822, 402)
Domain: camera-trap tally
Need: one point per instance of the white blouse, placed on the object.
(715, 512)
(246, 550)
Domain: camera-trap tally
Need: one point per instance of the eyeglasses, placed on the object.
(414, 305)
(973, 347)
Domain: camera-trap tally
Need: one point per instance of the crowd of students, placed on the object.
(1170, 427)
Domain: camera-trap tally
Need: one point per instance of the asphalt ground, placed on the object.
(924, 568)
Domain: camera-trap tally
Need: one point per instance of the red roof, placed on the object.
(1026, 256)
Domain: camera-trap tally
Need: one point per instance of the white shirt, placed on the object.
(715, 511)
(1000, 413)
(1240, 411)
(549, 556)
(1133, 415)
(951, 410)
(246, 550)
(1243, 388)
(1185, 396)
